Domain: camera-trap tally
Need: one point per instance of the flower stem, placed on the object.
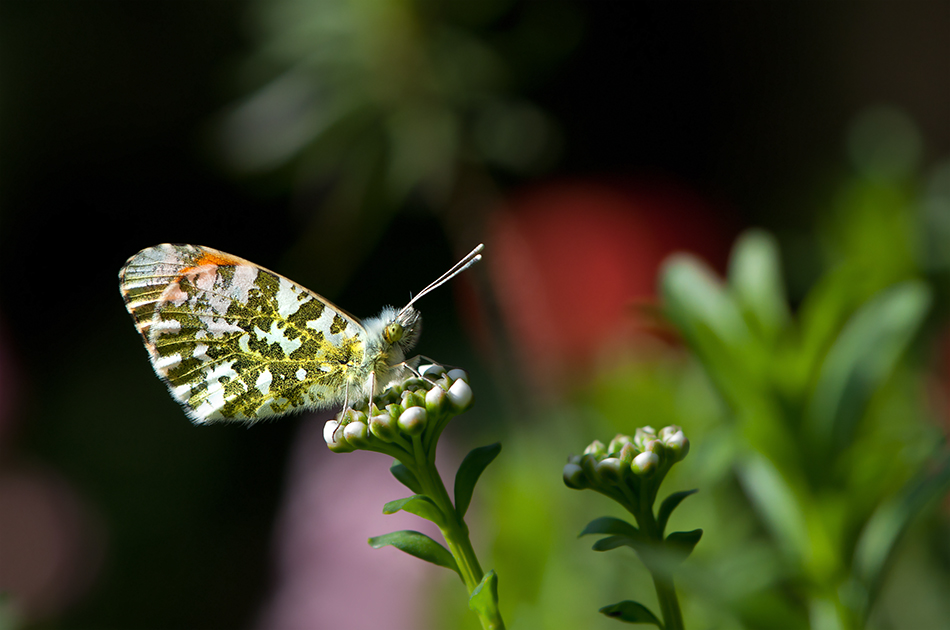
(662, 579)
(455, 532)
(669, 604)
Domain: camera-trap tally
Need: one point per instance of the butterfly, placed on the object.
(235, 341)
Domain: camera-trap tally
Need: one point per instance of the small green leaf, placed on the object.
(777, 504)
(405, 476)
(417, 544)
(470, 470)
(631, 612)
(862, 357)
(418, 504)
(682, 543)
(484, 599)
(669, 504)
(610, 525)
(884, 528)
(755, 276)
(695, 298)
(707, 316)
(612, 542)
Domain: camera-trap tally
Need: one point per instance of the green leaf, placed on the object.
(777, 505)
(890, 520)
(631, 612)
(484, 600)
(470, 470)
(669, 504)
(405, 476)
(755, 276)
(709, 319)
(695, 298)
(612, 542)
(682, 543)
(862, 357)
(418, 504)
(417, 544)
(610, 525)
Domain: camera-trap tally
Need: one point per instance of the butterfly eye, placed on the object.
(393, 332)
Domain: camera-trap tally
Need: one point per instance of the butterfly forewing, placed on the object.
(235, 341)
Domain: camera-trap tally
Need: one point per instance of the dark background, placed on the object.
(107, 115)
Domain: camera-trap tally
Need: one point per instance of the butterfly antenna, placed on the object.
(470, 259)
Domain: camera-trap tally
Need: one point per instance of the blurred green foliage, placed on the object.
(384, 105)
(364, 112)
(815, 446)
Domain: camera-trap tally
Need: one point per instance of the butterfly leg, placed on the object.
(411, 364)
(372, 392)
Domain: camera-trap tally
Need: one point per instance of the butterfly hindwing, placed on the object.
(235, 341)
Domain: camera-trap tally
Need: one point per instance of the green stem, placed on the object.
(455, 531)
(662, 579)
(669, 604)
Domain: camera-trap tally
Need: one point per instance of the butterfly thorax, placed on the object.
(389, 337)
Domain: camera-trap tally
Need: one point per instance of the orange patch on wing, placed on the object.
(217, 259)
(222, 260)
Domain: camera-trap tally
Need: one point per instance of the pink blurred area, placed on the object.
(8, 389)
(51, 543)
(574, 265)
(50, 546)
(326, 575)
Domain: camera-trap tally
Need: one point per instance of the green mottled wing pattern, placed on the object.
(234, 341)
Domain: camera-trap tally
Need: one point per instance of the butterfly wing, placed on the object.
(235, 341)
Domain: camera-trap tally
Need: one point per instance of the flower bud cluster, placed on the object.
(405, 410)
(626, 460)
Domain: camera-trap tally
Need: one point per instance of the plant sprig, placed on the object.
(405, 422)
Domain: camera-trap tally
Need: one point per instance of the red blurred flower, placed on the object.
(571, 260)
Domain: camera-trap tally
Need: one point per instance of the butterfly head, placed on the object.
(404, 328)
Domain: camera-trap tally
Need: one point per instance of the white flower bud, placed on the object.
(668, 431)
(329, 429)
(356, 434)
(617, 443)
(645, 463)
(458, 374)
(413, 420)
(677, 443)
(596, 448)
(642, 436)
(574, 476)
(609, 469)
(435, 399)
(460, 394)
(627, 453)
(431, 370)
(383, 426)
(333, 436)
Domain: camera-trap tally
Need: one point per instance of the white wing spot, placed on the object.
(182, 392)
(163, 326)
(219, 327)
(287, 300)
(263, 381)
(244, 277)
(163, 364)
(200, 352)
(276, 335)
